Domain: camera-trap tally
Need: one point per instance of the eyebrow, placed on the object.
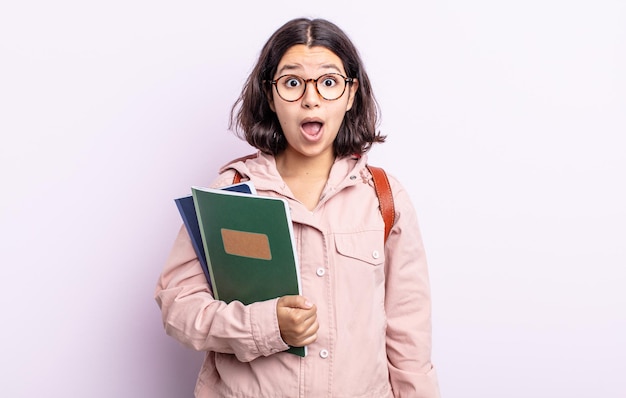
(292, 67)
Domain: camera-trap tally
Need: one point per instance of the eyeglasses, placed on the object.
(330, 86)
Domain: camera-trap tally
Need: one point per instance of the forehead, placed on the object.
(300, 58)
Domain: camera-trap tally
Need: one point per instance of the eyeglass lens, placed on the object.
(330, 86)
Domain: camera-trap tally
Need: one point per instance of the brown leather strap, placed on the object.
(385, 197)
(237, 177)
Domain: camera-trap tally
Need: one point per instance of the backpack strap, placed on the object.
(383, 191)
(385, 197)
(237, 177)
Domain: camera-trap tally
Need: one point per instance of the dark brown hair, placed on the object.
(254, 120)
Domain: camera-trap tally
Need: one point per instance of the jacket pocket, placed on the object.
(366, 246)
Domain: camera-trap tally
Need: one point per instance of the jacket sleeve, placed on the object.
(193, 317)
(408, 305)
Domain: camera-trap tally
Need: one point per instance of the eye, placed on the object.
(292, 81)
(329, 81)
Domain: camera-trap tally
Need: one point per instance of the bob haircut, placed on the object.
(254, 120)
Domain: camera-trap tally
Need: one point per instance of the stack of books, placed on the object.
(244, 243)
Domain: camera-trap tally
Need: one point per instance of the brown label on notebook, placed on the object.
(246, 244)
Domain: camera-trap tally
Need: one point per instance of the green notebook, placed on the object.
(249, 245)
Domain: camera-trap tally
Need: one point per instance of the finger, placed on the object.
(295, 302)
(309, 337)
(295, 318)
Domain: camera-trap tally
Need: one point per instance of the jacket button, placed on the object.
(375, 254)
(320, 271)
(324, 354)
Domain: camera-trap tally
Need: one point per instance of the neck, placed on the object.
(295, 165)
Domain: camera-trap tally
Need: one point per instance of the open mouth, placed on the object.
(312, 129)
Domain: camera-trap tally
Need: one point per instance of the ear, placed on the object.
(352, 93)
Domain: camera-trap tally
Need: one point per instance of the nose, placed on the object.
(311, 97)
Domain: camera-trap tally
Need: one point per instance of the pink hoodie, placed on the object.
(373, 300)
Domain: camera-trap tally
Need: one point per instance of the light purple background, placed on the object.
(506, 123)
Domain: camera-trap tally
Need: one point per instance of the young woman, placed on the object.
(365, 310)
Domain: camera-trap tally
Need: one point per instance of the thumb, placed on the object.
(295, 302)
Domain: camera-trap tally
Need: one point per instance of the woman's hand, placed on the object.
(297, 320)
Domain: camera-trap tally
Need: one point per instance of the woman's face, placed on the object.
(311, 123)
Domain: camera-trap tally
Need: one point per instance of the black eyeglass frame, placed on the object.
(347, 80)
